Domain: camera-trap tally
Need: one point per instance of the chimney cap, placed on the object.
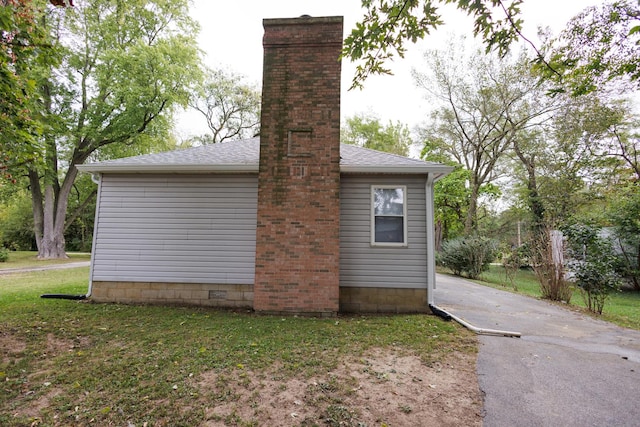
(304, 19)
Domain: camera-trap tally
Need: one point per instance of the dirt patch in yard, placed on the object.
(10, 347)
(383, 388)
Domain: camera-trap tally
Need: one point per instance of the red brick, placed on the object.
(297, 239)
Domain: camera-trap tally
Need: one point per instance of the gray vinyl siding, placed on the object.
(362, 265)
(176, 228)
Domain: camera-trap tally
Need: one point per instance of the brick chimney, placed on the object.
(297, 238)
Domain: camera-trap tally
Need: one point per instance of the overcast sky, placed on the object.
(231, 36)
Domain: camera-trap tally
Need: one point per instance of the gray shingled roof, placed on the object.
(243, 156)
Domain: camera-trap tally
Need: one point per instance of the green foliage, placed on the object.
(4, 254)
(517, 257)
(597, 280)
(22, 45)
(16, 222)
(368, 132)
(115, 73)
(605, 137)
(598, 46)
(451, 201)
(593, 265)
(82, 206)
(230, 107)
(625, 216)
(388, 25)
(572, 162)
(469, 255)
(140, 63)
(483, 104)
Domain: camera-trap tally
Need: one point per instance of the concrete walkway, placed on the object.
(568, 369)
(45, 267)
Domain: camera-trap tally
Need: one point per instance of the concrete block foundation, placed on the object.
(210, 295)
(383, 300)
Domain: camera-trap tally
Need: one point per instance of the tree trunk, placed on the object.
(54, 211)
(50, 205)
(36, 202)
(52, 241)
(471, 223)
(535, 204)
(438, 235)
(533, 196)
(48, 226)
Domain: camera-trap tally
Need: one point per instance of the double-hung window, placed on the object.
(388, 215)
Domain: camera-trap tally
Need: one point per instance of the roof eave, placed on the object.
(440, 170)
(155, 168)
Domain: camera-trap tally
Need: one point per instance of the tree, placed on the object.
(571, 168)
(388, 25)
(568, 174)
(230, 107)
(599, 45)
(78, 234)
(593, 265)
(121, 69)
(368, 132)
(585, 154)
(626, 221)
(553, 159)
(534, 148)
(16, 222)
(22, 43)
(484, 105)
(527, 146)
(559, 178)
(618, 139)
(451, 201)
(451, 198)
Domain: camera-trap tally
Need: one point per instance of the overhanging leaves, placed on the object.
(388, 24)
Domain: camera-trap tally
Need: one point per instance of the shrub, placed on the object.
(625, 217)
(16, 223)
(470, 255)
(628, 265)
(517, 257)
(597, 280)
(593, 265)
(514, 259)
(4, 254)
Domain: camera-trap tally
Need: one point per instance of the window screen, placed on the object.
(388, 215)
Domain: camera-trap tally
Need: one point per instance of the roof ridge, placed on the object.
(386, 153)
(243, 156)
(177, 151)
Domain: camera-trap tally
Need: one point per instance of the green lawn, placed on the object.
(23, 259)
(622, 308)
(68, 362)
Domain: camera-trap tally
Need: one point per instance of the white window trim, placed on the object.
(372, 221)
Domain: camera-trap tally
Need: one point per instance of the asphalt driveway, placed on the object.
(568, 369)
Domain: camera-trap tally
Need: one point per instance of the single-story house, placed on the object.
(291, 221)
